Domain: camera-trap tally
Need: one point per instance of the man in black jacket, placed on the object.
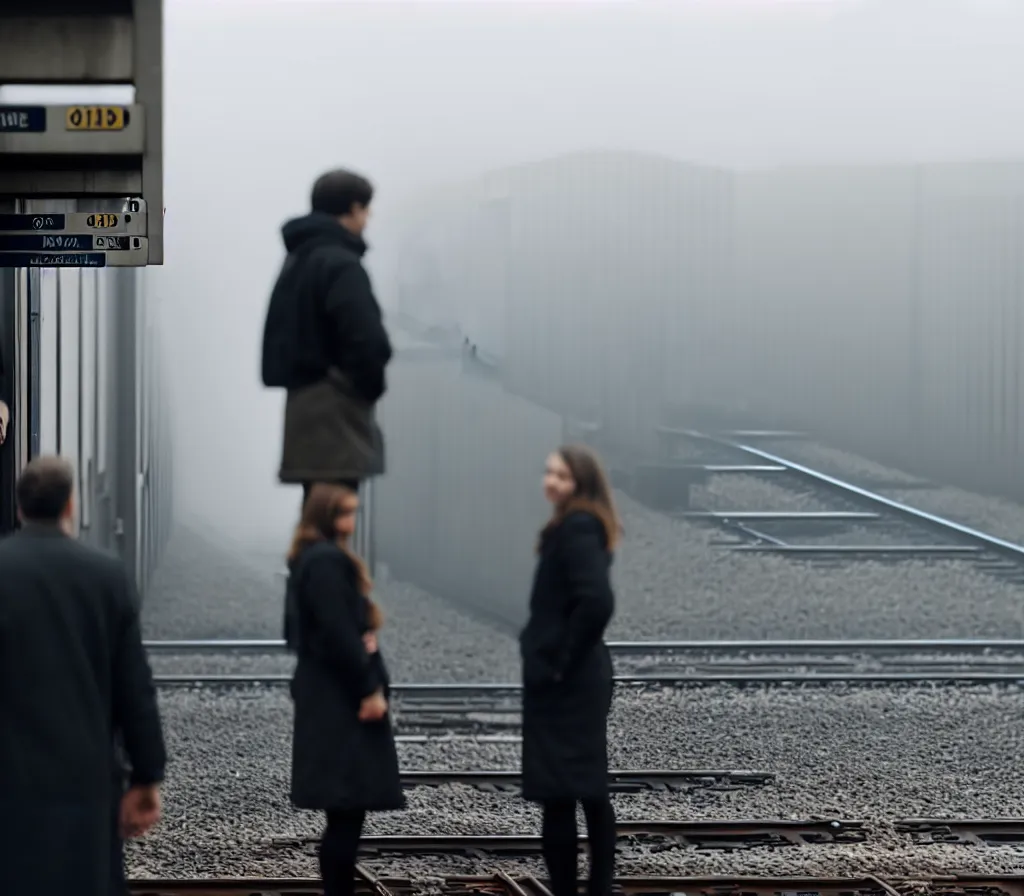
(73, 677)
(324, 340)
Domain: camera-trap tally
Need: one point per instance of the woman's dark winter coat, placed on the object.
(567, 669)
(338, 762)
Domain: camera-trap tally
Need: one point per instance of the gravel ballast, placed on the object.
(873, 755)
(673, 583)
(869, 754)
(206, 589)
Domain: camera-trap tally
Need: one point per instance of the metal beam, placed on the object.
(125, 412)
(149, 91)
(75, 49)
(8, 356)
(56, 183)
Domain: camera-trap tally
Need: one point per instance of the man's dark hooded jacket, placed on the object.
(325, 342)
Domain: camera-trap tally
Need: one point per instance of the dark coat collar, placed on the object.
(43, 528)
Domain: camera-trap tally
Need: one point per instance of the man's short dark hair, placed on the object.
(44, 489)
(337, 191)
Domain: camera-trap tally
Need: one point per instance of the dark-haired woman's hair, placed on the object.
(323, 506)
(593, 493)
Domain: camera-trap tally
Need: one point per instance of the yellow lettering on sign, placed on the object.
(100, 221)
(96, 118)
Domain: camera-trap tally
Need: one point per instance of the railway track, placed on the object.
(905, 532)
(867, 647)
(973, 832)
(481, 696)
(620, 780)
(894, 661)
(704, 834)
(502, 884)
(677, 664)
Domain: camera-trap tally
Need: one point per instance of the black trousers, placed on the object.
(118, 883)
(559, 836)
(338, 849)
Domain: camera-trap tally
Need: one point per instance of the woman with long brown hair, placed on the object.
(344, 760)
(567, 670)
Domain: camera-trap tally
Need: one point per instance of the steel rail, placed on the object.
(363, 875)
(951, 645)
(862, 550)
(500, 882)
(977, 831)
(679, 680)
(705, 834)
(862, 646)
(930, 520)
(449, 737)
(620, 780)
(778, 516)
(767, 434)
(214, 645)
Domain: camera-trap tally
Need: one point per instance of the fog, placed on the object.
(261, 97)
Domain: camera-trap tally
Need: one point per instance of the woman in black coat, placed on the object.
(567, 671)
(344, 760)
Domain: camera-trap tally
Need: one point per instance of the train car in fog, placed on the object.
(877, 307)
(587, 277)
(460, 506)
(83, 358)
(880, 308)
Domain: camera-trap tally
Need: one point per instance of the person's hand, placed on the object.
(5, 418)
(140, 810)
(373, 708)
(370, 642)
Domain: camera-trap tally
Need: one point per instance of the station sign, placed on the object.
(35, 119)
(86, 239)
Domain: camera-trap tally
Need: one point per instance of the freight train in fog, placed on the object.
(878, 308)
(607, 294)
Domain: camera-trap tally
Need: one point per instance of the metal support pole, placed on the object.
(126, 415)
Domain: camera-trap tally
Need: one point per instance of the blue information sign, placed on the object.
(47, 242)
(22, 119)
(53, 260)
(41, 223)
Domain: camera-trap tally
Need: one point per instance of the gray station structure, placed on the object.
(85, 181)
(81, 211)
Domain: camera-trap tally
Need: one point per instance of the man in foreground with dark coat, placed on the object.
(73, 678)
(324, 340)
